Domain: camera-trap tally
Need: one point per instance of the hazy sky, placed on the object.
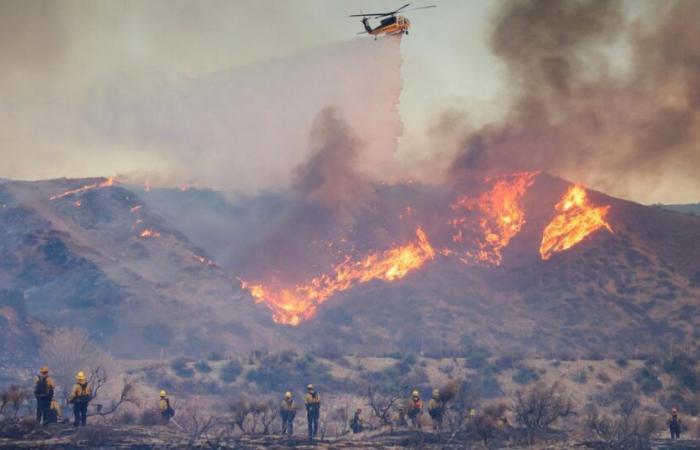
(81, 79)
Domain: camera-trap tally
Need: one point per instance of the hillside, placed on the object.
(89, 254)
(151, 272)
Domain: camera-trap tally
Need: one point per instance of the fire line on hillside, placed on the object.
(483, 226)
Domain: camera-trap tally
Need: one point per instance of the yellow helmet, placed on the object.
(287, 395)
(415, 394)
(44, 370)
(80, 377)
(310, 387)
(163, 393)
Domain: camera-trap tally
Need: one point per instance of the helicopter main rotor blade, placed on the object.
(371, 15)
(421, 7)
(407, 4)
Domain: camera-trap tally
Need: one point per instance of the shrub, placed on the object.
(215, 356)
(648, 382)
(621, 362)
(202, 367)
(538, 407)
(180, 367)
(580, 377)
(603, 377)
(525, 375)
(230, 371)
(682, 369)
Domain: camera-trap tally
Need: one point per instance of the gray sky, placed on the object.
(85, 84)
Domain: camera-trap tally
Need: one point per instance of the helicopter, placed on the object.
(390, 23)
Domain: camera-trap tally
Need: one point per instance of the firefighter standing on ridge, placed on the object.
(415, 410)
(312, 400)
(43, 392)
(166, 411)
(436, 409)
(80, 397)
(356, 424)
(288, 411)
(674, 424)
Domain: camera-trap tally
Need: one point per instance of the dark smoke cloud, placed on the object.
(328, 191)
(574, 115)
(330, 178)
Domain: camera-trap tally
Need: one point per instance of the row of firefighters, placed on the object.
(49, 411)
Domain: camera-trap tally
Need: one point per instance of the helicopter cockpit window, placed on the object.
(388, 21)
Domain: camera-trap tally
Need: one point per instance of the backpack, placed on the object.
(42, 387)
(169, 411)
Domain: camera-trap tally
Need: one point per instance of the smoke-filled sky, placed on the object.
(224, 94)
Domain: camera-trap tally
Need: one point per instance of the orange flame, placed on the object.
(136, 208)
(106, 183)
(575, 220)
(500, 217)
(148, 233)
(204, 261)
(292, 305)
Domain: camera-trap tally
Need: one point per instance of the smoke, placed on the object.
(329, 190)
(125, 111)
(330, 178)
(577, 114)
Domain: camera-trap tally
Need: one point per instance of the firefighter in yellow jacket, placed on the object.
(80, 397)
(43, 392)
(312, 401)
(415, 410)
(288, 410)
(166, 410)
(436, 409)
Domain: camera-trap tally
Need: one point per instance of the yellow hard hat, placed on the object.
(310, 387)
(163, 393)
(80, 377)
(415, 394)
(44, 370)
(287, 394)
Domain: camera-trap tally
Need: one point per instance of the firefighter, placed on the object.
(43, 392)
(80, 397)
(288, 411)
(356, 423)
(166, 410)
(436, 409)
(415, 410)
(674, 424)
(54, 413)
(312, 400)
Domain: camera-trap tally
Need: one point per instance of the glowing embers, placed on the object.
(487, 223)
(88, 187)
(148, 233)
(575, 220)
(292, 305)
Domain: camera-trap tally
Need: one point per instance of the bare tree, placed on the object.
(628, 430)
(539, 406)
(267, 412)
(68, 351)
(13, 399)
(383, 404)
(488, 423)
(459, 398)
(340, 419)
(127, 395)
(197, 419)
(240, 410)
